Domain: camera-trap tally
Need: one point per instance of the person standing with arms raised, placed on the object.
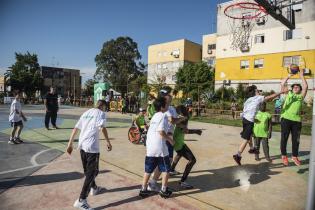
(291, 118)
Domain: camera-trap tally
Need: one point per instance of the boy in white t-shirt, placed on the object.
(90, 123)
(250, 109)
(157, 152)
(15, 118)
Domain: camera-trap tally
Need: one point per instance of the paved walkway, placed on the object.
(219, 183)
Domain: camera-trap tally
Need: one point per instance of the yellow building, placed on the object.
(2, 84)
(272, 49)
(165, 59)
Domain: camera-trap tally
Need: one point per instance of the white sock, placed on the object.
(144, 188)
(163, 188)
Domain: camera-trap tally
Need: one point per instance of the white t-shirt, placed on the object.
(251, 107)
(171, 112)
(14, 116)
(107, 98)
(90, 123)
(156, 146)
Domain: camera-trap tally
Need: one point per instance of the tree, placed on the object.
(25, 74)
(118, 60)
(195, 78)
(89, 87)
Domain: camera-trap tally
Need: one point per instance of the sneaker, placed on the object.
(296, 161)
(11, 141)
(237, 159)
(199, 132)
(153, 187)
(96, 191)
(257, 157)
(165, 194)
(185, 185)
(144, 193)
(174, 173)
(285, 160)
(47, 128)
(82, 204)
(269, 160)
(18, 140)
(55, 127)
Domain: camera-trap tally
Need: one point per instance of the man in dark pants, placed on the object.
(51, 104)
(90, 123)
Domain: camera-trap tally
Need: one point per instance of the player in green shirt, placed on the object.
(181, 148)
(139, 121)
(150, 108)
(291, 118)
(262, 131)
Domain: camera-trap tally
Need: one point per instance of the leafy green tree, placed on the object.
(240, 92)
(89, 87)
(25, 74)
(119, 62)
(194, 76)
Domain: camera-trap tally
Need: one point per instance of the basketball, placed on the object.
(294, 69)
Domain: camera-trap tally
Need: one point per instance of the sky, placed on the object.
(70, 33)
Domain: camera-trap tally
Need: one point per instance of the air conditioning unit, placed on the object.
(307, 71)
(244, 48)
(209, 51)
(261, 21)
(175, 53)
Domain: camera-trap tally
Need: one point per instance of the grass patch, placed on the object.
(306, 128)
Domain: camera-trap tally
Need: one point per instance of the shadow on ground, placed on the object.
(227, 177)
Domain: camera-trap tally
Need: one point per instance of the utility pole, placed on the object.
(310, 205)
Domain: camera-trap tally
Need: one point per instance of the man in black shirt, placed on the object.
(51, 104)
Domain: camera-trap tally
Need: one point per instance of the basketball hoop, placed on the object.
(242, 17)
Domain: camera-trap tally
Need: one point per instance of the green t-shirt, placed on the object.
(140, 121)
(178, 137)
(261, 128)
(291, 109)
(151, 111)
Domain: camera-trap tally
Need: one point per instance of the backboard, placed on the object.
(281, 10)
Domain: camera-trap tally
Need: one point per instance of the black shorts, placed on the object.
(15, 124)
(247, 129)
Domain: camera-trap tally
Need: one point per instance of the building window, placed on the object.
(288, 60)
(259, 63)
(259, 38)
(174, 78)
(211, 61)
(211, 47)
(245, 64)
(292, 34)
(159, 54)
(164, 53)
(159, 66)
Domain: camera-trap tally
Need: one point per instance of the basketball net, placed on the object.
(242, 16)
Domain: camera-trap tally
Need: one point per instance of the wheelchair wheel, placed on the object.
(134, 135)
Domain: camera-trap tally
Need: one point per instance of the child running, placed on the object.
(15, 118)
(90, 124)
(249, 111)
(157, 152)
(181, 148)
(262, 131)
